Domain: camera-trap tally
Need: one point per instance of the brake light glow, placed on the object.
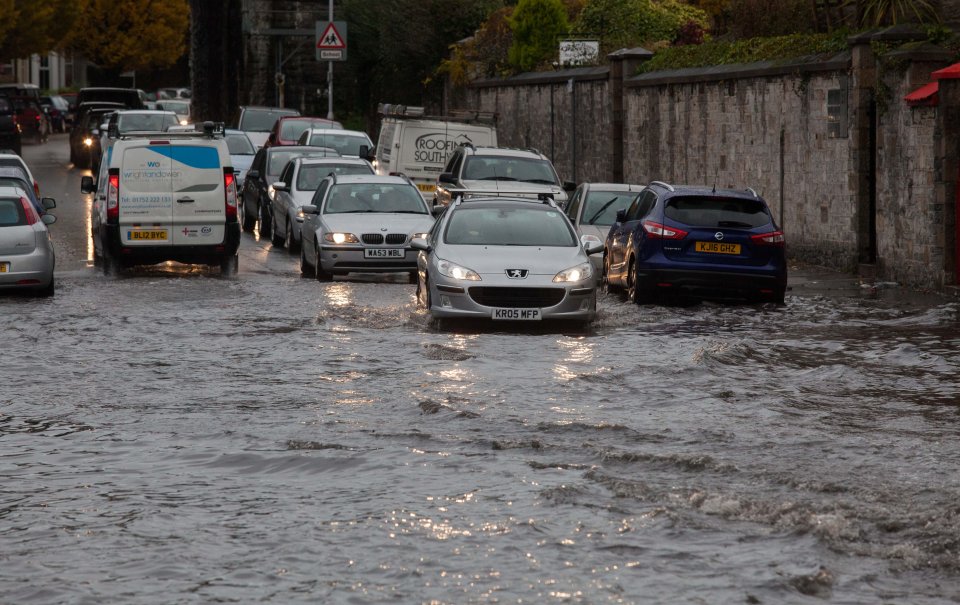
(29, 210)
(658, 231)
(113, 198)
(36, 189)
(230, 194)
(774, 238)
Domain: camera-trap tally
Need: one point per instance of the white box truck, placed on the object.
(418, 146)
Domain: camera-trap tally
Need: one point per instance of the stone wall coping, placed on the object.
(924, 52)
(760, 69)
(578, 74)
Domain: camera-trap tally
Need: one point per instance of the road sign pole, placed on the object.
(330, 77)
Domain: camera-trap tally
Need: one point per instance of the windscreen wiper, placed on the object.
(597, 214)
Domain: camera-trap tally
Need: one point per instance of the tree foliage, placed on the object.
(133, 34)
(537, 26)
(629, 23)
(31, 26)
(873, 13)
(483, 55)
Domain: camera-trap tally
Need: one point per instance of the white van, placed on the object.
(418, 146)
(166, 196)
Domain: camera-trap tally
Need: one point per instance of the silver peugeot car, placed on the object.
(26, 251)
(506, 259)
(363, 223)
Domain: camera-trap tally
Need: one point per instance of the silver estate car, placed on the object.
(593, 208)
(298, 182)
(361, 223)
(506, 259)
(26, 251)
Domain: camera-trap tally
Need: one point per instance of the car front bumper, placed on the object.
(479, 299)
(149, 255)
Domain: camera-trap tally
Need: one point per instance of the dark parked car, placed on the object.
(696, 242)
(34, 123)
(56, 108)
(257, 193)
(9, 128)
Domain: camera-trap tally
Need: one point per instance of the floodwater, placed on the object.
(169, 436)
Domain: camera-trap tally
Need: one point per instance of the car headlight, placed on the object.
(420, 235)
(88, 141)
(300, 214)
(573, 274)
(184, 122)
(341, 238)
(456, 271)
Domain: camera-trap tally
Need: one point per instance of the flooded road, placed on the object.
(169, 436)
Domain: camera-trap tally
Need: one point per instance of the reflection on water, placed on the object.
(274, 439)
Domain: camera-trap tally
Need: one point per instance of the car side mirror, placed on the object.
(48, 219)
(447, 177)
(48, 203)
(310, 209)
(87, 185)
(569, 186)
(621, 215)
(437, 209)
(418, 243)
(253, 174)
(280, 186)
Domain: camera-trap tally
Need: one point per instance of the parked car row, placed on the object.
(27, 257)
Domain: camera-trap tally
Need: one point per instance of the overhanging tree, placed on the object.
(537, 26)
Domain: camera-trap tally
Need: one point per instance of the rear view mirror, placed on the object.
(364, 151)
(48, 219)
(418, 243)
(280, 186)
(309, 209)
(591, 244)
(437, 210)
(447, 177)
(621, 215)
(569, 186)
(48, 203)
(87, 185)
(252, 174)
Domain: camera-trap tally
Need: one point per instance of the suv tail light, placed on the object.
(658, 231)
(774, 238)
(36, 189)
(113, 196)
(230, 194)
(29, 211)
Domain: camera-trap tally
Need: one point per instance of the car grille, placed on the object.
(377, 238)
(523, 298)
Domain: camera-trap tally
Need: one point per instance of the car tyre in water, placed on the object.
(264, 221)
(291, 243)
(249, 222)
(306, 270)
(48, 290)
(277, 238)
(320, 273)
(635, 291)
(229, 265)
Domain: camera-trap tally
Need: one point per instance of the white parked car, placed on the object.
(166, 197)
(295, 189)
(27, 256)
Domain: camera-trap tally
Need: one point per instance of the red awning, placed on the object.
(925, 96)
(947, 73)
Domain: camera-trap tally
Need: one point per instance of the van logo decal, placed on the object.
(153, 164)
(435, 147)
(719, 236)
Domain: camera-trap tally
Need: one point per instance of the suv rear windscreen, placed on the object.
(11, 212)
(715, 212)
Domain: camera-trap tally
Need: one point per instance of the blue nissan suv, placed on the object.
(696, 242)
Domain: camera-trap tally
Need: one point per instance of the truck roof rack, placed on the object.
(211, 130)
(394, 110)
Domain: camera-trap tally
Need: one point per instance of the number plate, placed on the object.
(517, 314)
(4, 267)
(384, 253)
(426, 187)
(718, 248)
(154, 235)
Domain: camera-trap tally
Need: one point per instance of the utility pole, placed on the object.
(330, 75)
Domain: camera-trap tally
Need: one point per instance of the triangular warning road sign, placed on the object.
(331, 39)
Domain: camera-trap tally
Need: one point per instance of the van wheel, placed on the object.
(229, 265)
(109, 265)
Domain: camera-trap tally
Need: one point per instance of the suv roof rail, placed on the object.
(750, 189)
(666, 186)
(534, 150)
(332, 175)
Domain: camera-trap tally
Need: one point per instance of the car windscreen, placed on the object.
(528, 170)
(717, 211)
(345, 144)
(11, 212)
(509, 227)
(349, 198)
(151, 121)
(310, 175)
(601, 207)
(290, 130)
(239, 144)
(260, 120)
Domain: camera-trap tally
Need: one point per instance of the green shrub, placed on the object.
(536, 26)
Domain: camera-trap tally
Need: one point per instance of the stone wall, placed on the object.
(767, 132)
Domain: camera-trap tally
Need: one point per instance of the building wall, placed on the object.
(768, 133)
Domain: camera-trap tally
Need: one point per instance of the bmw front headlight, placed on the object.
(456, 271)
(574, 274)
(341, 238)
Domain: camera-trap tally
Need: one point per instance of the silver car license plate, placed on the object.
(517, 314)
(383, 253)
